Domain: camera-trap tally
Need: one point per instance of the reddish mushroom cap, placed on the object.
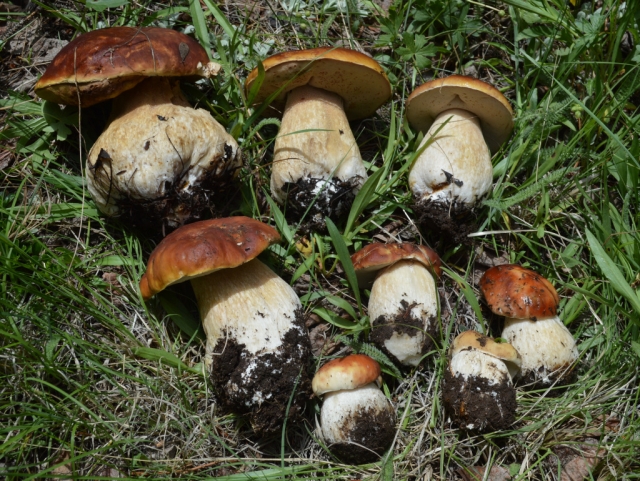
(350, 372)
(518, 293)
(204, 247)
(102, 64)
(372, 258)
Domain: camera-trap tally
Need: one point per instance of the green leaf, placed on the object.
(228, 28)
(278, 217)
(333, 318)
(345, 259)
(469, 295)
(165, 357)
(180, 315)
(197, 16)
(102, 5)
(636, 347)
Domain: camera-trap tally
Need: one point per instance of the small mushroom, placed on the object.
(159, 159)
(357, 421)
(478, 392)
(258, 349)
(403, 305)
(317, 163)
(464, 119)
(529, 303)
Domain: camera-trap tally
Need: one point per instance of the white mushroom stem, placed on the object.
(249, 304)
(409, 281)
(456, 166)
(546, 345)
(473, 363)
(329, 150)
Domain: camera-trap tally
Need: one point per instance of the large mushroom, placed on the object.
(317, 163)
(465, 120)
(357, 421)
(403, 305)
(529, 303)
(258, 349)
(478, 392)
(159, 161)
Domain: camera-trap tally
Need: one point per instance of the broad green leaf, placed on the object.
(180, 315)
(102, 5)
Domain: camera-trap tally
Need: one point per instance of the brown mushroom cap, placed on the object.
(518, 293)
(473, 340)
(459, 92)
(354, 76)
(204, 247)
(370, 259)
(350, 372)
(102, 64)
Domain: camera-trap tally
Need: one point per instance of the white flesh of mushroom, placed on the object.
(457, 164)
(328, 151)
(479, 364)
(408, 281)
(545, 343)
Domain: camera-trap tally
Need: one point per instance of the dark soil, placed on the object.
(404, 323)
(275, 376)
(373, 429)
(471, 402)
(560, 378)
(446, 223)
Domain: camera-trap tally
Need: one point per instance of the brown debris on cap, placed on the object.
(467, 93)
(204, 247)
(102, 64)
(518, 293)
(370, 259)
(350, 372)
(473, 340)
(354, 76)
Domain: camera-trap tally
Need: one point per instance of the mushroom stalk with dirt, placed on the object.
(258, 350)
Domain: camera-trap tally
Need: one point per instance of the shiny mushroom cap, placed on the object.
(355, 77)
(350, 372)
(459, 92)
(474, 341)
(518, 293)
(370, 259)
(101, 64)
(198, 249)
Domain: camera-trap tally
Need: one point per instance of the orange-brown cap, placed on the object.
(350, 372)
(518, 293)
(372, 258)
(102, 64)
(204, 247)
(354, 76)
(459, 92)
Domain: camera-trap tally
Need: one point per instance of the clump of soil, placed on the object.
(261, 386)
(373, 429)
(318, 198)
(450, 223)
(477, 405)
(405, 322)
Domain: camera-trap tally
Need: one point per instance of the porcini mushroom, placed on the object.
(257, 347)
(478, 392)
(159, 159)
(464, 119)
(403, 305)
(357, 421)
(316, 160)
(529, 303)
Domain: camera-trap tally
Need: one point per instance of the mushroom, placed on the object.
(478, 392)
(403, 305)
(464, 119)
(159, 158)
(357, 421)
(317, 163)
(529, 303)
(257, 348)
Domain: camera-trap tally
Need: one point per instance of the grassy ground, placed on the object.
(94, 384)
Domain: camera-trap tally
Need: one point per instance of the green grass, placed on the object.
(94, 381)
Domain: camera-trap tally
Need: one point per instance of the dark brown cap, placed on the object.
(518, 293)
(350, 372)
(204, 247)
(372, 258)
(430, 99)
(104, 63)
(354, 76)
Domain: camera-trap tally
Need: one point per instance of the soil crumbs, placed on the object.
(449, 223)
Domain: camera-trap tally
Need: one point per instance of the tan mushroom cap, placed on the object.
(204, 247)
(102, 64)
(518, 293)
(354, 76)
(474, 340)
(350, 372)
(459, 92)
(370, 259)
